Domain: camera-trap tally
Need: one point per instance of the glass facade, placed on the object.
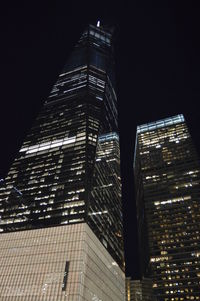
(139, 290)
(68, 168)
(167, 181)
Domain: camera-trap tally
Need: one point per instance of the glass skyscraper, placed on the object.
(167, 182)
(67, 172)
(137, 290)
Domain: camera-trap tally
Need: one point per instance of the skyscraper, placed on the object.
(139, 290)
(65, 188)
(167, 181)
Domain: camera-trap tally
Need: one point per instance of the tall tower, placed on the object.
(167, 182)
(139, 290)
(63, 190)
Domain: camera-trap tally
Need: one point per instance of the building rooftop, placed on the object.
(160, 123)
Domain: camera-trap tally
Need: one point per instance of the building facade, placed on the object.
(68, 169)
(139, 290)
(58, 263)
(167, 183)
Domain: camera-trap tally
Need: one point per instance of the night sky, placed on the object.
(157, 53)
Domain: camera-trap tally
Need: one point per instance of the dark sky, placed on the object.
(157, 53)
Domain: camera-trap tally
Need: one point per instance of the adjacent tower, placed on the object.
(167, 182)
(64, 187)
(137, 290)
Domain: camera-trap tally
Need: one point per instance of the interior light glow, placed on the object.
(99, 212)
(160, 123)
(156, 259)
(44, 146)
(175, 200)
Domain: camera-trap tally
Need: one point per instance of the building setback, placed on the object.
(64, 188)
(167, 183)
